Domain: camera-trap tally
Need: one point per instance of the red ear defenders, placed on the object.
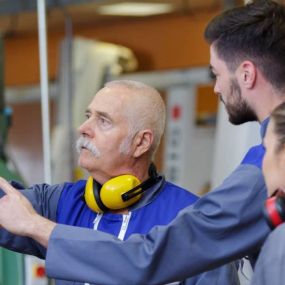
(274, 209)
(119, 192)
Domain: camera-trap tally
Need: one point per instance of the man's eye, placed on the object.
(104, 121)
(213, 76)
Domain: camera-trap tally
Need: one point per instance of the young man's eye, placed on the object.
(213, 76)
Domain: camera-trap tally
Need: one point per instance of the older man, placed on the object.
(123, 195)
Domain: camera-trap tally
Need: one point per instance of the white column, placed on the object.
(44, 88)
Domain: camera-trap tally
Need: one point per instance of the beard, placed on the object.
(237, 108)
(83, 143)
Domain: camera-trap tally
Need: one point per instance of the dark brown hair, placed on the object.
(254, 32)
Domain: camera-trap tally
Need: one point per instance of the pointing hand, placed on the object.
(16, 212)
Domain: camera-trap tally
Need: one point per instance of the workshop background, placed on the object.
(159, 42)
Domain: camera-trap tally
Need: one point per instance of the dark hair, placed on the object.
(254, 32)
(278, 118)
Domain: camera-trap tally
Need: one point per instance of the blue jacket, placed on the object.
(158, 207)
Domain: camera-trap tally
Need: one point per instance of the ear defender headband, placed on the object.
(274, 209)
(117, 193)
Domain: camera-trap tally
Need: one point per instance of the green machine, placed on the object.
(11, 263)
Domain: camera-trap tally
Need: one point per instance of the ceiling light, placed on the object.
(135, 9)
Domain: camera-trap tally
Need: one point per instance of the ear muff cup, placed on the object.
(109, 196)
(274, 211)
(89, 196)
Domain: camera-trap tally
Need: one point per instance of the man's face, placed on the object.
(104, 133)
(229, 91)
(273, 164)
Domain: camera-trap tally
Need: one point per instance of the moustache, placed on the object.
(86, 144)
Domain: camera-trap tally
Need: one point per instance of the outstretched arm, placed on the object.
(222, 226)
(19, 217)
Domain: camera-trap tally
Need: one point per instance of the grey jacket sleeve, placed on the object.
(270, 266)
(222, 226)
(223, 275)
(44, 199)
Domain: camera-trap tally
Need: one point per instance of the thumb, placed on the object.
(6, 187)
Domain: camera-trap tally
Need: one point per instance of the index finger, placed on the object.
(6, 187)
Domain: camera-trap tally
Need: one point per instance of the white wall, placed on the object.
(231, 144)
(188, 148)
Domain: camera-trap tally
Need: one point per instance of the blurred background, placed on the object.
(159, 42)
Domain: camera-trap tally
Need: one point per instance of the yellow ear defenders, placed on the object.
(117, 193)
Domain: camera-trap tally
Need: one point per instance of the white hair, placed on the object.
(146, 110)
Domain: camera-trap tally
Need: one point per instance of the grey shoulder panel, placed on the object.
(44, 198)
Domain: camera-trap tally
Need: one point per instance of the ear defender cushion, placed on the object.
(90, 197)
(109, 197)
(112, 191)
(275, 211)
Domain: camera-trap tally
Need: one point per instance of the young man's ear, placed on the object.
(142, 142)
(248, 74)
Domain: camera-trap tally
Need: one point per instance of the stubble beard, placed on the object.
(238, 109)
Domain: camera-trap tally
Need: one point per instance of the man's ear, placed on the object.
(248, 74)
(142, 142)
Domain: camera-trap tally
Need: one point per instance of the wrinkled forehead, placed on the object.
(111, 103)
(110, 96)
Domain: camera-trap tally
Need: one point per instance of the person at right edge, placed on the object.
(269, 268)
(247, 56)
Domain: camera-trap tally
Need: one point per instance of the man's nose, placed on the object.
(85, 129)
(217, 89)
